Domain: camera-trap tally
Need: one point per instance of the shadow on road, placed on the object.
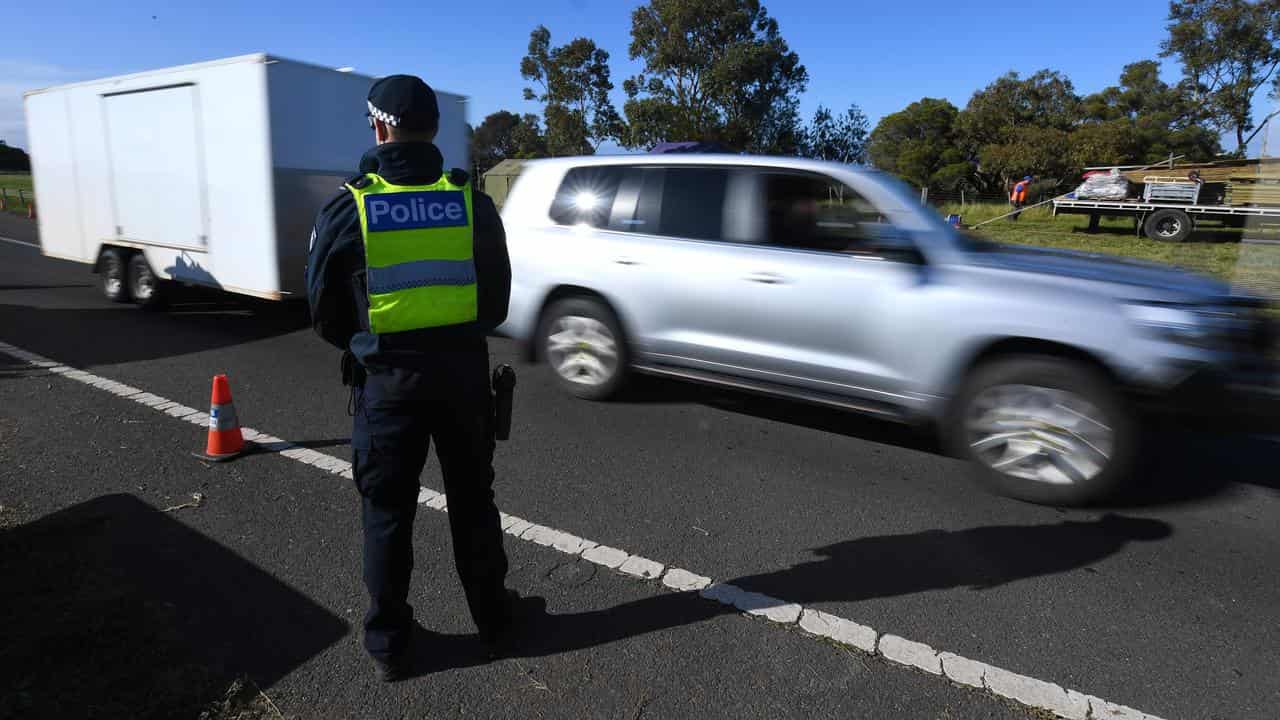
(108, 334)
(114, 609)
(1178, 465)
(874, 567)
(979, 558)
(45, 287)
(652, 390)
(317, 444)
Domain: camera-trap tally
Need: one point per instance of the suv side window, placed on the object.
(804, 210)
(586, 196)
(685, 203)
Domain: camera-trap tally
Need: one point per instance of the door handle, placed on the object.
(766, 278)
(626, 261)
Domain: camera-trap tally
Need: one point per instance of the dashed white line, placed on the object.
(1029, 691)
(845, 632)
(684, 581)
(910, 652)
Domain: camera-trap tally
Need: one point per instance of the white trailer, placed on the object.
(207, 174)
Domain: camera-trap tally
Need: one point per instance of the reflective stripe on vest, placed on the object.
(419, 268)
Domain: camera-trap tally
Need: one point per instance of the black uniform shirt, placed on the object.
(336, 268)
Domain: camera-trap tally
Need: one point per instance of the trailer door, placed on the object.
(157, 166)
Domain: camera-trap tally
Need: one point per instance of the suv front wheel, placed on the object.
(582, 341)
(1043, 429)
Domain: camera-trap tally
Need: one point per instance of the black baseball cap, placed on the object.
(405, 102)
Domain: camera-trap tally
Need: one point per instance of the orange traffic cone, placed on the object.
(225, 440)
(31, 210)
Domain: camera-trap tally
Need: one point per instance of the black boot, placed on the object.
(391, 669)
(499, 636)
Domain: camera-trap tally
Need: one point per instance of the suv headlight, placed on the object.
(1185, 324)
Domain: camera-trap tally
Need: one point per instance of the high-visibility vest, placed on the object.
(419, 268)
(1019, 192)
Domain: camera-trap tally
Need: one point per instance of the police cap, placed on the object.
(405, 102)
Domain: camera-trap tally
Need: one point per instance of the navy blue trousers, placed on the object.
(397, 414)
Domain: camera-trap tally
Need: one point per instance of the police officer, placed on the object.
(408, 272)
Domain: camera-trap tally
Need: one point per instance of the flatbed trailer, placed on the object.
(1168, 222)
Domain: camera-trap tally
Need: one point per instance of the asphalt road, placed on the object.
(1165, 602)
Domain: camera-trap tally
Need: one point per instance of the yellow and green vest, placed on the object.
(420, 272)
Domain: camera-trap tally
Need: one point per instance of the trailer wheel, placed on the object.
(1168, 225)
(115, 281)
(147, 289)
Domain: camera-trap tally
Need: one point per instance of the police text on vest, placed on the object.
(413, 210)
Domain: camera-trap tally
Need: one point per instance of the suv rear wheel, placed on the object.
(1045, 430)
(582, 341)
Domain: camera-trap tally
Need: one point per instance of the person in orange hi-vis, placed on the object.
(1019, 196)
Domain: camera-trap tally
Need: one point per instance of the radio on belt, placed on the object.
(504, 387)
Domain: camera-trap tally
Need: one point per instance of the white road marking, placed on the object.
(1029, 691)
(910, 652)
(845, 632)
(609, 557)
(643, 568)
(963, 670)
(684, 581)
(19, 242)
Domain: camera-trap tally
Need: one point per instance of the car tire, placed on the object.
(113, 273)
(147, 290)
(581, 339)
(1045, 430)
(1168, 225)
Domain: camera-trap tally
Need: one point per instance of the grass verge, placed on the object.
(1213, 250)
(12, 183)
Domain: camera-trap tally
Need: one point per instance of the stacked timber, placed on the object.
(1253, 191)
(1221, 171)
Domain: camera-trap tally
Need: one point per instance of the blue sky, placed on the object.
(881, 55)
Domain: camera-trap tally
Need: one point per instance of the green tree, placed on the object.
(1028, 150)
(573, 84)
(502, 135)
(712, 70)
(1229, 49)
(1142, 119)
(529, 141)
(837, 138)
(1110, 142)
(13, 158)
(1045, 99)
(919, 144)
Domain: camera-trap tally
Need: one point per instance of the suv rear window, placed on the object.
(586, 196)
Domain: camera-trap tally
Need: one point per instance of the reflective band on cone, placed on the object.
(223, 418)
(225, 439)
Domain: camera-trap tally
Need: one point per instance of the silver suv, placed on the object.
(831, 284)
